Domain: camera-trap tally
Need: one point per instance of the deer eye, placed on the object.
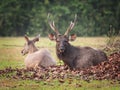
(57, 40)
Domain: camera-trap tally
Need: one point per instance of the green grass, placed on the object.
(14, 84)
(10, 56)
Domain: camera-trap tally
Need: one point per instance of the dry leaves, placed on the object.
(106, 70)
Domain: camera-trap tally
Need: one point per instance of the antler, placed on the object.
(52, 25)
(71, 25)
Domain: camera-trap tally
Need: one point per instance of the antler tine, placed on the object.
(69, 28)
(52, 25)
(71, 25)
(56, 30)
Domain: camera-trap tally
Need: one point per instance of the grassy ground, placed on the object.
(10, 56)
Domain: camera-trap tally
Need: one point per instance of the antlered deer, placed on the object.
(74, 57)
(36, 58)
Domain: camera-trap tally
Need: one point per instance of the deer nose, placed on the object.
(22, 52)
(62, 48)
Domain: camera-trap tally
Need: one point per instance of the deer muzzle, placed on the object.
(61, 48)
(23, 52)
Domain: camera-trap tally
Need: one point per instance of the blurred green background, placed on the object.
(94, 17)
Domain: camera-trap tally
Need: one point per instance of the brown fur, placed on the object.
(36, 58)
(75, 57)
(78, 57)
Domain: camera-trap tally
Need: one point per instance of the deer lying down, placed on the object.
(75, 57)
(36, 58)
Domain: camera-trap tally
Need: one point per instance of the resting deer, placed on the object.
(74, 57)
(36, 58)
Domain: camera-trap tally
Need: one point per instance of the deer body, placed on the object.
(36, 57)
(75, 57)
(81, 57)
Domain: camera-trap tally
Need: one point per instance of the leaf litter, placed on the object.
(108, 70)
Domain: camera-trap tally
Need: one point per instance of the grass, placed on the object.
(14, 84)
(10, 56)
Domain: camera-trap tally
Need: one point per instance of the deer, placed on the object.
(72, 56)
(36, 58)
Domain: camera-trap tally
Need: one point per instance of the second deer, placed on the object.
(36, 58)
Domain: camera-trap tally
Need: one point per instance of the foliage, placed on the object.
(19, 17)
(113, 41)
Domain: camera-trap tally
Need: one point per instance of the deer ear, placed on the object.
(26, 38)
(51, 37)
(72, 37)
(36, 38)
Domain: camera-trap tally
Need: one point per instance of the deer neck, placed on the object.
(67, 56)
(33, 49)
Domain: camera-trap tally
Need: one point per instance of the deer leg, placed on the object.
(36, 67)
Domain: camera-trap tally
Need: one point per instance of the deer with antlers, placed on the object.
(74, 57)
(36, 57)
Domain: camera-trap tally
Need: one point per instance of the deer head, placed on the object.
(62, 41)
(29, 46)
